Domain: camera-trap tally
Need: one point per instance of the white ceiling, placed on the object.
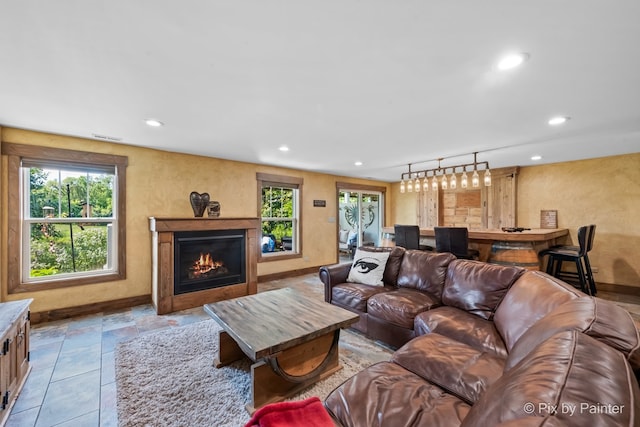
(383, 82)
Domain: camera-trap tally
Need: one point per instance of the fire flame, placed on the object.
(205, 264)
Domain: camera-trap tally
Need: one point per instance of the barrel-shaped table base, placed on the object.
(521, 254)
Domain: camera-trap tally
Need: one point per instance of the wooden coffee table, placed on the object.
(292, 340)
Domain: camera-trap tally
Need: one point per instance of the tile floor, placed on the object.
(72, 382)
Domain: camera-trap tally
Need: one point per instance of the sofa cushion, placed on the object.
(355, 295)
(603, 320)
(368, 267)
(386, 394)
(464, 327)
(532, 297)
(478, 287)
(452, 365)
(424, 271)
(571, 371)
(400, 306)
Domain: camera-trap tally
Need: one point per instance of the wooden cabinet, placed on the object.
(14, 352)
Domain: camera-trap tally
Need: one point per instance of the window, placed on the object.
(279, 207)
(68, 219)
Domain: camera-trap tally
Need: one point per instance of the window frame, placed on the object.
(16, 153)
(272, 180)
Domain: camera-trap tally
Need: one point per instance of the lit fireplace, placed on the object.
(208, 259)
(205, 267)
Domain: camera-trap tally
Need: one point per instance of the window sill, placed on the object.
(65, 283)
(278, 256)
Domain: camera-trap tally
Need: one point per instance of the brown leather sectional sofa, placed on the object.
(485, 345)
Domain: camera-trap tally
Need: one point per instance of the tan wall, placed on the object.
(158, 184)
(605, 192)
(404, 207)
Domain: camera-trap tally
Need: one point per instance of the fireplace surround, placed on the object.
(201, 260)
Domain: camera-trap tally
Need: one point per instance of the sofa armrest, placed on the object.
(332, 275)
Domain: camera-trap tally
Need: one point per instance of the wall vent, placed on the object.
(106, 137)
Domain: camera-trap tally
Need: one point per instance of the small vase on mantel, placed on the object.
(199, 203)
(213, 210)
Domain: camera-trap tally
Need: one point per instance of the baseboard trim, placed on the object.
(619, 289)
(82, 310)
(287, 274)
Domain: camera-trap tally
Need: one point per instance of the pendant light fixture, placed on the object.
(475, 179)
(445, 177)
(434, 182)
(487, 178)
(464, 181)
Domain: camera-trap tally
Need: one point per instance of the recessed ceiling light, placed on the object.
(535, 158)
(154, 123)
(512, 61)
(358, 163)
(555, 121)
(283, 148)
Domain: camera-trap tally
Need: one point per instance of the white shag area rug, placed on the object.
(167, 378)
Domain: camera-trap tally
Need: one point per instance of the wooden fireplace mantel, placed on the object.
(162, 252)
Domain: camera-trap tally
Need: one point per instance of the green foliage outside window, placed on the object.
(277, 212)
(51, 193)
(57, 248)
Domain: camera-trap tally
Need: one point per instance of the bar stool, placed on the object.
(408, 236)
(579, 255)
(456, 241)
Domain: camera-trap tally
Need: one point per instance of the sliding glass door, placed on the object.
(360, 217)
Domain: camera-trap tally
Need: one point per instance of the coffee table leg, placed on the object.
(228, 350)
(298, 367)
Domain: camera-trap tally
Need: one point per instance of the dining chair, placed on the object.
(408, 236)
(456, 241)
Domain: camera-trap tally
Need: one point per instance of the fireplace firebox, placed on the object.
(208, 259)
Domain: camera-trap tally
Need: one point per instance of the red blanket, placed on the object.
(308, 413)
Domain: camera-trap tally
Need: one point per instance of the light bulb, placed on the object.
(453, 183)
(417, 184)
(464, 182)
(425, 183)
(444, 182)
(475, 179)
(434, 183)
(402, 188)
(487, 178)
(410, 185)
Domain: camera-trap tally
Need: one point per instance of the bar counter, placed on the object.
(501, 247)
